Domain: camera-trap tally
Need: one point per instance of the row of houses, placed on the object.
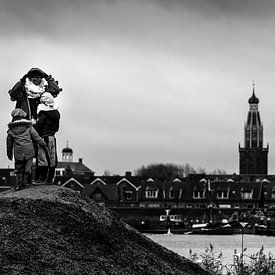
(194, 191)
(145, 203)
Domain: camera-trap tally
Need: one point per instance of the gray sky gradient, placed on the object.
(146, 81)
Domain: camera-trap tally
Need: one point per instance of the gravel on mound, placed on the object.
(54, 230)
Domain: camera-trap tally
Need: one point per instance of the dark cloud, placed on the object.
(53, 19)
(132, 20)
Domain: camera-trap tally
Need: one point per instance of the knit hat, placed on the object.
(36, 72)
(47, 99)
(18, 113)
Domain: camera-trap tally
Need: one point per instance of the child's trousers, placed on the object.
(23, 166)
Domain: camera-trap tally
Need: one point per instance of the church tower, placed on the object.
(253, 156)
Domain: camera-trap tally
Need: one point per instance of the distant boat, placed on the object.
(213, 229)
(264, 230)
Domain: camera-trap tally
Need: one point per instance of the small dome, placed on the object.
(67, 150)
(253, 99)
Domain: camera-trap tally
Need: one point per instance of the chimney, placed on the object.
(128, 174)
(80, 160)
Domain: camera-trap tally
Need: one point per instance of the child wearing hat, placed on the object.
(47, 125)
(20, 138)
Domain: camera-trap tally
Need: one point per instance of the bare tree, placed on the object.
(170, 171)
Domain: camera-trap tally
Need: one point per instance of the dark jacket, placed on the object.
(29, 105)
(47, 123)
(20, 139)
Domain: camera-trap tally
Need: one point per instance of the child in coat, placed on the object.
(47, 125)
(20, 138)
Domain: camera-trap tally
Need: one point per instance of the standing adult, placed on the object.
(27, 91)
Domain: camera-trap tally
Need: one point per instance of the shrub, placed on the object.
(258, 264)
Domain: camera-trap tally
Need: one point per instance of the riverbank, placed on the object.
(226, 244)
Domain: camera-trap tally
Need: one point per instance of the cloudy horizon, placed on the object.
(146, 81)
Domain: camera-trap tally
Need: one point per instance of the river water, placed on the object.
(226, 244)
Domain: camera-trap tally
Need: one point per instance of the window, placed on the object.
(250, 206)
(151, 193)
(222, 194)
(60, 172)
(154, 205)
(225, 205)
(128, 195)
(171, 193)
(247, 195)
(198, 194)
(175, 218)
(273, 195)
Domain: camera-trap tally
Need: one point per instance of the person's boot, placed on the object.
(44, 174)
(18, 182)
(38, 173)
(29, 178)
(51, 173)
(24, 180)
(41, 174)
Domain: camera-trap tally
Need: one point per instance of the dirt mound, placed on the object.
(54, 230)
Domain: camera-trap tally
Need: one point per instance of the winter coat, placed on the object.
(47, 123)
(20, 139)
(29, 105)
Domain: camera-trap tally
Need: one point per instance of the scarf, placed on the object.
(34, 91)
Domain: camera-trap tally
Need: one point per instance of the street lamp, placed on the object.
(243, 224)
(168, 224)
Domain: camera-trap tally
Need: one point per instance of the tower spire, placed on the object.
(253, 99)
(253, 156)
(253, 85)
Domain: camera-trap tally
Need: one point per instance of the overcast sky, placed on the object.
(146, 81)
